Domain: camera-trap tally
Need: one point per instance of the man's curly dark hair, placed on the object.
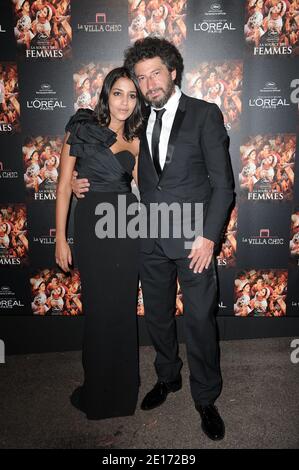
(151, 47)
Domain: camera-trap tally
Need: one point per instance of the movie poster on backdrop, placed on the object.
(226, 257)
(219, 82)
(179, 307)
(42, 29)
(293, 282)
(293, 291)
(296, 186)
(55, 293)
(267, 167)
(7, 38)
(9, 98)
(158, 18)
(215, 29)
(100, 29)
(88, 81)
(13, 235)
(260, 293)
(271, 28)
(294, 237)
(11, 170)
(41, 158)
(256, 92)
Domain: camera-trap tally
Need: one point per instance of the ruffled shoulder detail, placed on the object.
(84, 128)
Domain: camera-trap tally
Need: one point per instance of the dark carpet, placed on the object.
(259, 403)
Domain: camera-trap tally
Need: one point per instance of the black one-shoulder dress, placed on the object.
(109, 274)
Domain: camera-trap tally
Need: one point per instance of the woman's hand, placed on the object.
(79, 185)
(63, 255)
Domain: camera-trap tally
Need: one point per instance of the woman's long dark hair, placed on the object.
(134, 123)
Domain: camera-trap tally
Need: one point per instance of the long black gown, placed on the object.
(109, 274)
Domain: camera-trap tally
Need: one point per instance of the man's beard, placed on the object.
(159, 103)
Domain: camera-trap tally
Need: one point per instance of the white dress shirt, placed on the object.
(167, 121)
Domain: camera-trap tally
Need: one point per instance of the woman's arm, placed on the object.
(63, 196)
(135, 171)
(135, 145)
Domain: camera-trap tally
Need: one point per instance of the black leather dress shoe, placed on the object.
(211, 422)
(76, 399)
(159, 393)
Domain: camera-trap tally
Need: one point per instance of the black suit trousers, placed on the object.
(158, 275)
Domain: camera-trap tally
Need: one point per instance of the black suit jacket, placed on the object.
(197, 169)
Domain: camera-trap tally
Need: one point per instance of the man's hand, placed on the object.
(201, 254)
(79, 186)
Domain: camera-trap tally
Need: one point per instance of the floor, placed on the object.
(259, 403)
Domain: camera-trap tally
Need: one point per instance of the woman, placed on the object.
(104, 147)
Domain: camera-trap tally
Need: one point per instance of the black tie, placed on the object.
(156, 139)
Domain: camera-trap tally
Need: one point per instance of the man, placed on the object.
(183, 158)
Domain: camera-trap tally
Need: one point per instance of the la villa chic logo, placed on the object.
(50, 238)
(100, 24)
(269, 97)
(264, 238)
(215, 20)
(45, 99)
(7, 173)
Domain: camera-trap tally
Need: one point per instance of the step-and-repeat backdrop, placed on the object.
(241, 55)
